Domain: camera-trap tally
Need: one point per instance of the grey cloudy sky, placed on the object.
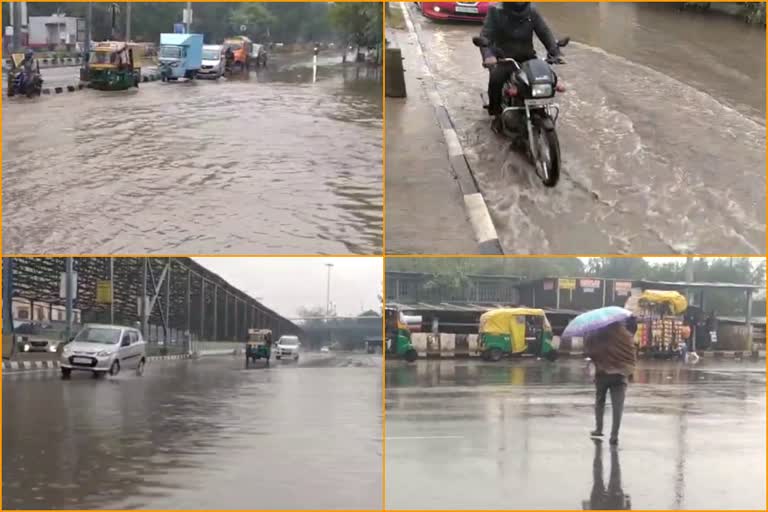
(286, 284)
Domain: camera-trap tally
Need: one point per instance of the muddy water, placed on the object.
(662, 133)
(271, 163)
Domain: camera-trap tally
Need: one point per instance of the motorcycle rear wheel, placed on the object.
(548, 170)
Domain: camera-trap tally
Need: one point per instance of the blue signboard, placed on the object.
(178, 28)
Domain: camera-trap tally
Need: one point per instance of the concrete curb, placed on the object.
(474, 203)
(47, 91)
(719, 354)
(27, 366)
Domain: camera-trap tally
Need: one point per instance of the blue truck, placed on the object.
(180, 55)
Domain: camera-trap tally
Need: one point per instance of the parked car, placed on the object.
(288, 347)
(259, 55)
(213, 62)
(460, 11)
(102, 349)
(34, 337)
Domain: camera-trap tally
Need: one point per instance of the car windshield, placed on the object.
(170, 52)
(102, 335)
(211, 54)
(289, 341)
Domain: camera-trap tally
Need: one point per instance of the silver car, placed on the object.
(288, 348)
(103, 349)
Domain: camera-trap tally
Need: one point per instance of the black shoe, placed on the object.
(595, 433)
(614, 441)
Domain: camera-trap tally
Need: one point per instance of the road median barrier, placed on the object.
(12, 367)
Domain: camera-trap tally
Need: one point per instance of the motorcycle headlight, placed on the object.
(541, 90)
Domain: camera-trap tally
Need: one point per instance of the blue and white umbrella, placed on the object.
(591, 321)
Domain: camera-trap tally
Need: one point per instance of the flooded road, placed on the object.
(268, 164)
(200, 434)
(662, 133)
(515, 435)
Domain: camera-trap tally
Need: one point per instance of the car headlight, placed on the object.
(541, 90)
(26, 347)
(103, 353)
(52, 348)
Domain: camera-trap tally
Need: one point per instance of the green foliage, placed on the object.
(280, 22)
(359, 24)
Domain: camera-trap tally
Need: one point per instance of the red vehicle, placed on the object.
(461, 11)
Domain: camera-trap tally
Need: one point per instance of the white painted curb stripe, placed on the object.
(480, 218)
(454, 145)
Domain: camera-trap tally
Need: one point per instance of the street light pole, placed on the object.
(68, 293)
(189, 17)
(328, 291)
(128, 22)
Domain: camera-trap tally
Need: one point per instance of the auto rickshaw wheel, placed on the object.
(495, 354)
(411, 355)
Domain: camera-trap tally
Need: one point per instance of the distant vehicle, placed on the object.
(213, 61)
(242, 48)
(325, 349)
(31, 337)
(103, 349)
(259, 55)
(181, 55)
(258, 346)
(459, 11)
(288, 347)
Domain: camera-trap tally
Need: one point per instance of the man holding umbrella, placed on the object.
(609, 342)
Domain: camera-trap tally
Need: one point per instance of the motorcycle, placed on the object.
(529, 113)
(26, 83)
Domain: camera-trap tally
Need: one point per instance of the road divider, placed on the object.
(11, 367)
(474, 203)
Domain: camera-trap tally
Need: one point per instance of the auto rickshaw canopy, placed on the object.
(258, 335)
(110, 54)
(675, 301)
(503, 320)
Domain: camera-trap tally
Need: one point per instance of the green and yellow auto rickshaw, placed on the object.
(515, 332)
(258, 346)
(398, 336)
(111, 67)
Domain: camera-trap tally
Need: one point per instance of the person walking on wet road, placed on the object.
(509, 27)
(612, 351)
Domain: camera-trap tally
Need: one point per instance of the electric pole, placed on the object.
(127, 22)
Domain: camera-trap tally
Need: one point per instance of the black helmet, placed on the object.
(516, 7)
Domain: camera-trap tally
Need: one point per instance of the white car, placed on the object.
(288, 348)
(213, 61)
(325, 350)
(103, 349)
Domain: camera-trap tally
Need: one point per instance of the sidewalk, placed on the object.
(425, 206)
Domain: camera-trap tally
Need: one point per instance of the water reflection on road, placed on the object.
(204, 434)
(514, 435)
(264, 164)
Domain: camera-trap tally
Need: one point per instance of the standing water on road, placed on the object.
(270, 163)
(662, 132)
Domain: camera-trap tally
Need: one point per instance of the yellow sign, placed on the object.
(567, 284)
(104, 292)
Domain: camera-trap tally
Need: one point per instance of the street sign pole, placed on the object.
(69, 292)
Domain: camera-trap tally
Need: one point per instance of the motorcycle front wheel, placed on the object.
(547, 160)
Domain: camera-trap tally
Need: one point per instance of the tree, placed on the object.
(254, 16)
(358, 24)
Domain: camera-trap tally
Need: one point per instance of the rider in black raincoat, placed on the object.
(510, 26)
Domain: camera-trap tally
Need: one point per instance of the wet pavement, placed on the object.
(271, 163)
(515, 435)
(662, 133)
(204, 434)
